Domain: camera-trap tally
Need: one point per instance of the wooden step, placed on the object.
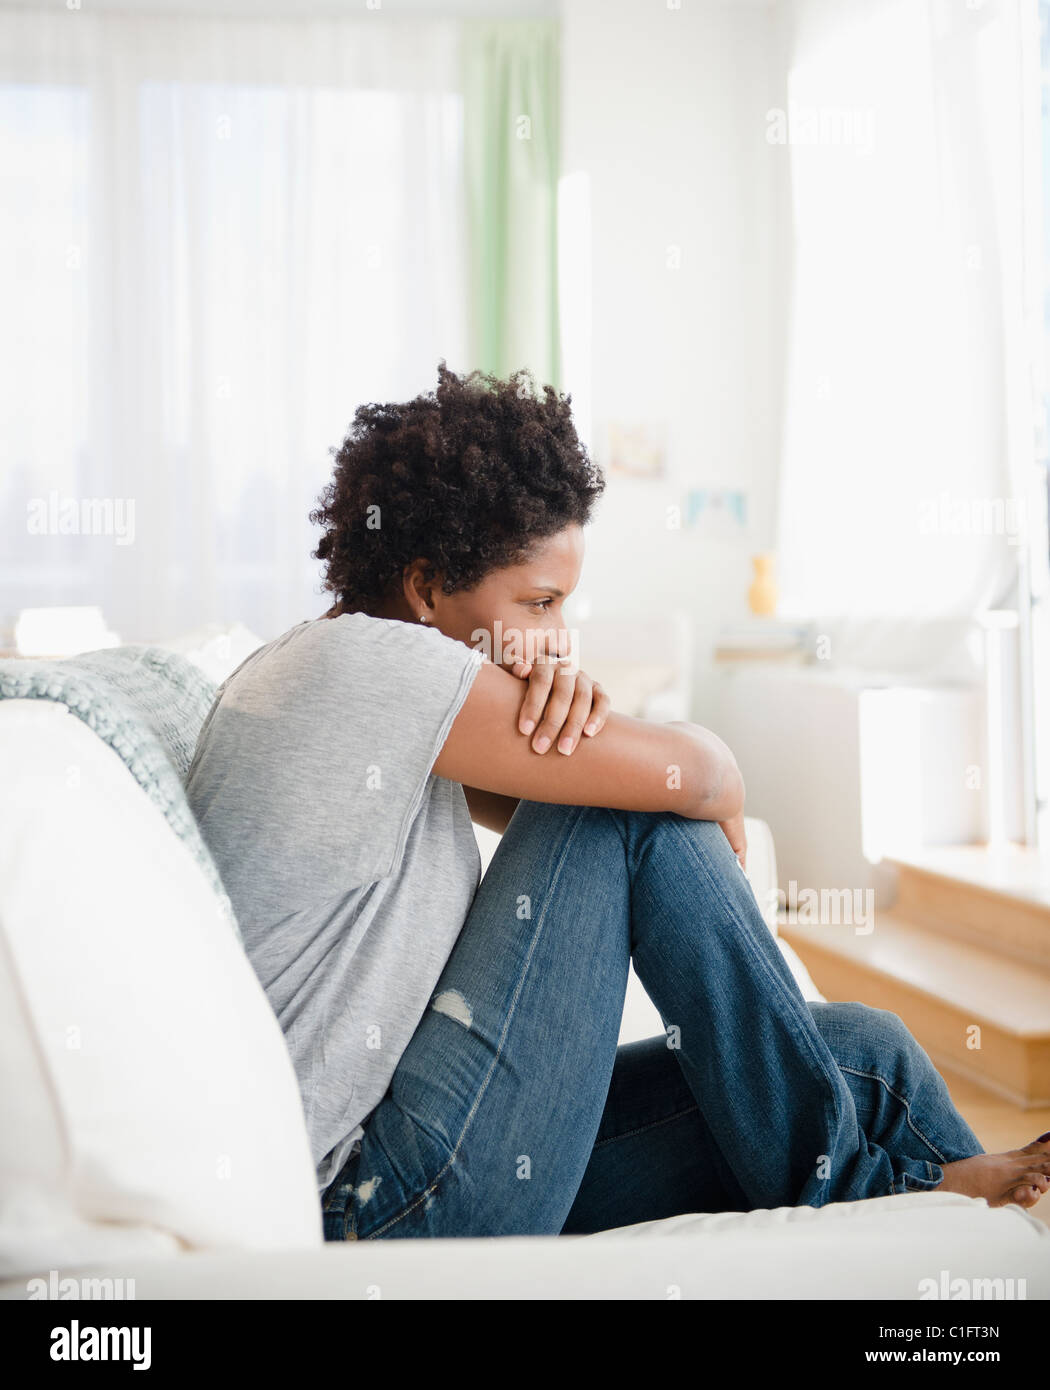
(1000, 899)
(942, 987)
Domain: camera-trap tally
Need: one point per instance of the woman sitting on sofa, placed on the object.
(456, 1045)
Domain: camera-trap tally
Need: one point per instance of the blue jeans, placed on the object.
(514, 1111)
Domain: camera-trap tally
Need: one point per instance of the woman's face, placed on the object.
(515, 613)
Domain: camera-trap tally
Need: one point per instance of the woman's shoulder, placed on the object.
(357, 661)
(359, 637)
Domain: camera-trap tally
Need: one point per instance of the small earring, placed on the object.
(422, 617)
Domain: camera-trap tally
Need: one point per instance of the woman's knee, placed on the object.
(659, 824)
(670, 827)
(549, 818)
(698, 844)
(878, 1036)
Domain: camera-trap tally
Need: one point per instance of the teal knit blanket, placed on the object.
(148, 704)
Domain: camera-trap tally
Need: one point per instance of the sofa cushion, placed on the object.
(908, 1247)
(148, 704)
(155, 1101)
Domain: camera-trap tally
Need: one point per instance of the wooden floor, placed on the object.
(998, 1124)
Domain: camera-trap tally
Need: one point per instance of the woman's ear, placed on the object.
(418, 590)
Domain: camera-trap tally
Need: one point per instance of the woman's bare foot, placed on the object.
(1020, 1176)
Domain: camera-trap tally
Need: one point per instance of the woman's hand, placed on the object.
(560, 705)
(734, 833)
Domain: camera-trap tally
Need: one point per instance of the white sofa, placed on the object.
(153, 1127)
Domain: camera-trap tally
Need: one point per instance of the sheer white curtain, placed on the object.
(907, 476)
(222, 236)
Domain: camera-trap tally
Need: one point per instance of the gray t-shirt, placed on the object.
(349, 864)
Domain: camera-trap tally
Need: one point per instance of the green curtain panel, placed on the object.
(512, 145)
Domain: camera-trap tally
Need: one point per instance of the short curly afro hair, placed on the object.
(469, 478)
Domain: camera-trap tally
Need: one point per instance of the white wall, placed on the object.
(845, 771)
(664, 111)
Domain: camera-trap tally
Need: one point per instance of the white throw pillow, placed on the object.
(148, 1097)
(217, 648)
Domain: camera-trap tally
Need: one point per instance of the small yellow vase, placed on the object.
(762, 595)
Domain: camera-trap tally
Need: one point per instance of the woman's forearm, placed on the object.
(630, 764)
